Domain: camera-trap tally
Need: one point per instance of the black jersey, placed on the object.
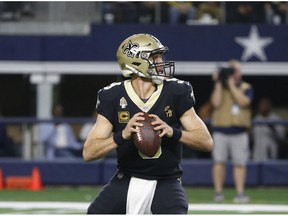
(118, 103)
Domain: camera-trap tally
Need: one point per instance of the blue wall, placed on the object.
(186, 43)
(196, 172)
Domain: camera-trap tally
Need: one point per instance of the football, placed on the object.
(147, 140)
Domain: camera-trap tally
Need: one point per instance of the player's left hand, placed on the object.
(162, 126)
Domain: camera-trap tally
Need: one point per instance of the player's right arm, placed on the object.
(99, 141)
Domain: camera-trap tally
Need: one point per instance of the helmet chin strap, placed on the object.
(157, 79)
(135, 71)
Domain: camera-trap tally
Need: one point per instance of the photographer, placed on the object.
(231, 118)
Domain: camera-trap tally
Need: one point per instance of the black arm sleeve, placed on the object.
(185, 98)
(105, 106)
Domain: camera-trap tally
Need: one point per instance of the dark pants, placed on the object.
(169, 197)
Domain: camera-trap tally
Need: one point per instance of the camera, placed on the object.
(224, 74)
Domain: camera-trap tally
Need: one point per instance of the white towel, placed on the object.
(140, 196)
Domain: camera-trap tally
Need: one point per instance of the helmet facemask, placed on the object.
(158, 71)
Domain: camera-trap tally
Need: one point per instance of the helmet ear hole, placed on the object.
(136, 63)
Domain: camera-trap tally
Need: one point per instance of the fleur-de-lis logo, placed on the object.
(168, 111)
(130, 49)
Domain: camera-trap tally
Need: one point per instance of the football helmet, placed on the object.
(136, 56)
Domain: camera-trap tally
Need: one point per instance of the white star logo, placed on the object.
(254, 45)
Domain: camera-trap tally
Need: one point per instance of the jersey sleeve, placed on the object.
(185, 98)
(104, 105)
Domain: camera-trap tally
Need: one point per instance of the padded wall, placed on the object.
(196, 172)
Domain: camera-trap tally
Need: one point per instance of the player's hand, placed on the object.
(131, 125)
(162, 126)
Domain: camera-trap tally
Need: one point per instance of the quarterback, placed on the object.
(142, 184)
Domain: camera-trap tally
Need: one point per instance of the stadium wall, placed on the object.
(186, 43)
(196, 172)
(196, 49)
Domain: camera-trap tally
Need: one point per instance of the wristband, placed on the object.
(118, 138)
(177, 133)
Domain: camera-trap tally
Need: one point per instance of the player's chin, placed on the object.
(160, 72)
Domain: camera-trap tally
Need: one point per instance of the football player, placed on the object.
(145, 184)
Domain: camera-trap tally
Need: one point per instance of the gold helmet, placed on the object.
(135, 56)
